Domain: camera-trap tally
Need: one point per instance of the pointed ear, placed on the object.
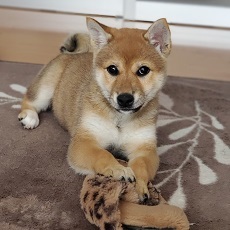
(97, 33)
(159, 36)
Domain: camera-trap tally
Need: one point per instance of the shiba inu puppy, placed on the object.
(107, 99)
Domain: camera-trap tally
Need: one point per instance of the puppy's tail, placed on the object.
(76, 43)
(159, 216)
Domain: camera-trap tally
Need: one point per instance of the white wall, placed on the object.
(101, 7)
(181, 35)
(180, 13)
(176, 13)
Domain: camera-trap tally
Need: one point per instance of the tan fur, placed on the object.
(160, 216)
(84, 96)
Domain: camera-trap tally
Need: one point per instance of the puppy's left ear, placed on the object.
(159, 36)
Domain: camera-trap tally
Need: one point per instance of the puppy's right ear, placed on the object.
(97, 33)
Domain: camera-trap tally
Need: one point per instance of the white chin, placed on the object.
(126, 112)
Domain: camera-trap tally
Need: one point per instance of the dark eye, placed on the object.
(113, 70)
(142, 71)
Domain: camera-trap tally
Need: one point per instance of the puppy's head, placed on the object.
(130, 64)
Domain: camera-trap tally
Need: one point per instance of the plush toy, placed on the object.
(110, 204)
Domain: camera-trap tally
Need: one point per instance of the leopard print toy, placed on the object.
(111, 204)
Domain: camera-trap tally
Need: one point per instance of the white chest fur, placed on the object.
(129, 133)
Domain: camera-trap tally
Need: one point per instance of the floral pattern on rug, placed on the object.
(8, 99)
(221, 150)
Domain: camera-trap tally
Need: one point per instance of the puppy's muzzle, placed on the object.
(125, 100)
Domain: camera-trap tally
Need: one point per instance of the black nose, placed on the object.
(125, 100)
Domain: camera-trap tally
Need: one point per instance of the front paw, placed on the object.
(120, 172)
(142, 190)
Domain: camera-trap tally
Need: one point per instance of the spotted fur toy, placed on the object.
(111, 204)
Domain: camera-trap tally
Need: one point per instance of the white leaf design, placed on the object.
(164, 148)
(222, 151)
(206, 175)
(18, 88)
(216, 123)
(182, 132)
(4, 95)
(165, 101)
(178, 198)
(161, 123)
(16, 106)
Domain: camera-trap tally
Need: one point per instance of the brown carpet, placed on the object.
(39, 190)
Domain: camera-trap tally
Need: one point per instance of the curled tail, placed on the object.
(76, 43)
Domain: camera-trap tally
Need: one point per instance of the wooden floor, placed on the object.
(35, 37)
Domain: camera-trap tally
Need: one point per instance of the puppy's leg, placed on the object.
(38, 96)
(28, 115)
(86, 156)
(144, 161)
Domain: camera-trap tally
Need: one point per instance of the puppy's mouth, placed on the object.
(129, 110)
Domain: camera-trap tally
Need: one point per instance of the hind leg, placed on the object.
(39, 96)
(28, 115)
(32, 106)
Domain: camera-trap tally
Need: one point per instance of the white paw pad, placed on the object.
(29, 119)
